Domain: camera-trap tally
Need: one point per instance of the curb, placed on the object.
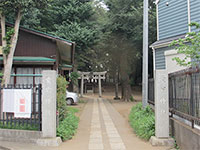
(5, 148)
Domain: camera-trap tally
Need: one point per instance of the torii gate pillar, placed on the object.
(100, 91)
(82, 85)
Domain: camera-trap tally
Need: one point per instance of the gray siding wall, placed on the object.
(173, 19)
(160, 57)
(195, 12)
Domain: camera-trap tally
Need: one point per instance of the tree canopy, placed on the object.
(108, 36)
(73, 20)
(13, 9)
(189, 46)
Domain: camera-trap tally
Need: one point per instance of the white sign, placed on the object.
(17, 101)
(22, 103)
(8, 100)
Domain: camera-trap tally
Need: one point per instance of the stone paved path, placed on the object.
(96, 141)
(101, 128)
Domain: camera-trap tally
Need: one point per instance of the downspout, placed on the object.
(154, 62)
(157, 19)
(189, 16)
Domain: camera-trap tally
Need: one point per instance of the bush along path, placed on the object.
(68, 121)
(68, 126)
(142, 121)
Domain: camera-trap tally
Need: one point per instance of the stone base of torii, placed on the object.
(92, 75)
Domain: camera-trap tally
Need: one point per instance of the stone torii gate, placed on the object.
(92, 75)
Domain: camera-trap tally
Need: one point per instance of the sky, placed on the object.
(102, 4)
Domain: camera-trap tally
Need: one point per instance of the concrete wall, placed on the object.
(47, 137)
(20, 135)
(186, 137)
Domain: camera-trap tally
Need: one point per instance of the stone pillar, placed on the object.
(161, 110)
(162, 104)
(49, 104)
(49, 110)
(100, 92)
(82, 85)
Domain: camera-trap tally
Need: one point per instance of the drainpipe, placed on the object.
(189, 16)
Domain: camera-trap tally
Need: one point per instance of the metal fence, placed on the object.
(151, 91)
(8, 121)
(184, 94)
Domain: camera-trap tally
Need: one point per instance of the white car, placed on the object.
(71, 98)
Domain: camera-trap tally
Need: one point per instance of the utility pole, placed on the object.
(145, 55)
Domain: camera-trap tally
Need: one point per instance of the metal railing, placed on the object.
(8, 121)
(184, 94)
(151, 91)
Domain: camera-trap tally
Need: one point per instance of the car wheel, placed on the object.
(69, 101)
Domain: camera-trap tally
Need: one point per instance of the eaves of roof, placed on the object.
(166, 42)
(43, 34)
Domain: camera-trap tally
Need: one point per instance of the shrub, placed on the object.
(132, 99)
(61, 97)
(142, 121)
(67, 127)
(74, 78)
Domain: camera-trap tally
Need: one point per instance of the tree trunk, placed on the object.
(117, 85)
(126, 89)
(3, 33)
(9, 59)
(75, 85)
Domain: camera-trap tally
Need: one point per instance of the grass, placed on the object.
(72, 110)
(142, 121)
(18, 126)
(81, 101)
(175, 144)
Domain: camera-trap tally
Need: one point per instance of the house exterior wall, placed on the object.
(33, 45)
(160, 58)
(171, 65)
(28, 69)
(195, 12)
(173, 19)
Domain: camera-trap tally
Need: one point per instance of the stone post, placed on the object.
(100, 92)
(161, 110)
(49, 104)
(82, 85)
(49, 110)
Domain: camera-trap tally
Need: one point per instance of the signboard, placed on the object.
(17, 101)
(8, 100)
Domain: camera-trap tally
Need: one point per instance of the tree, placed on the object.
(75, 20)
(124, 27)
(15, 8)
(122, 55)
(190, 46)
